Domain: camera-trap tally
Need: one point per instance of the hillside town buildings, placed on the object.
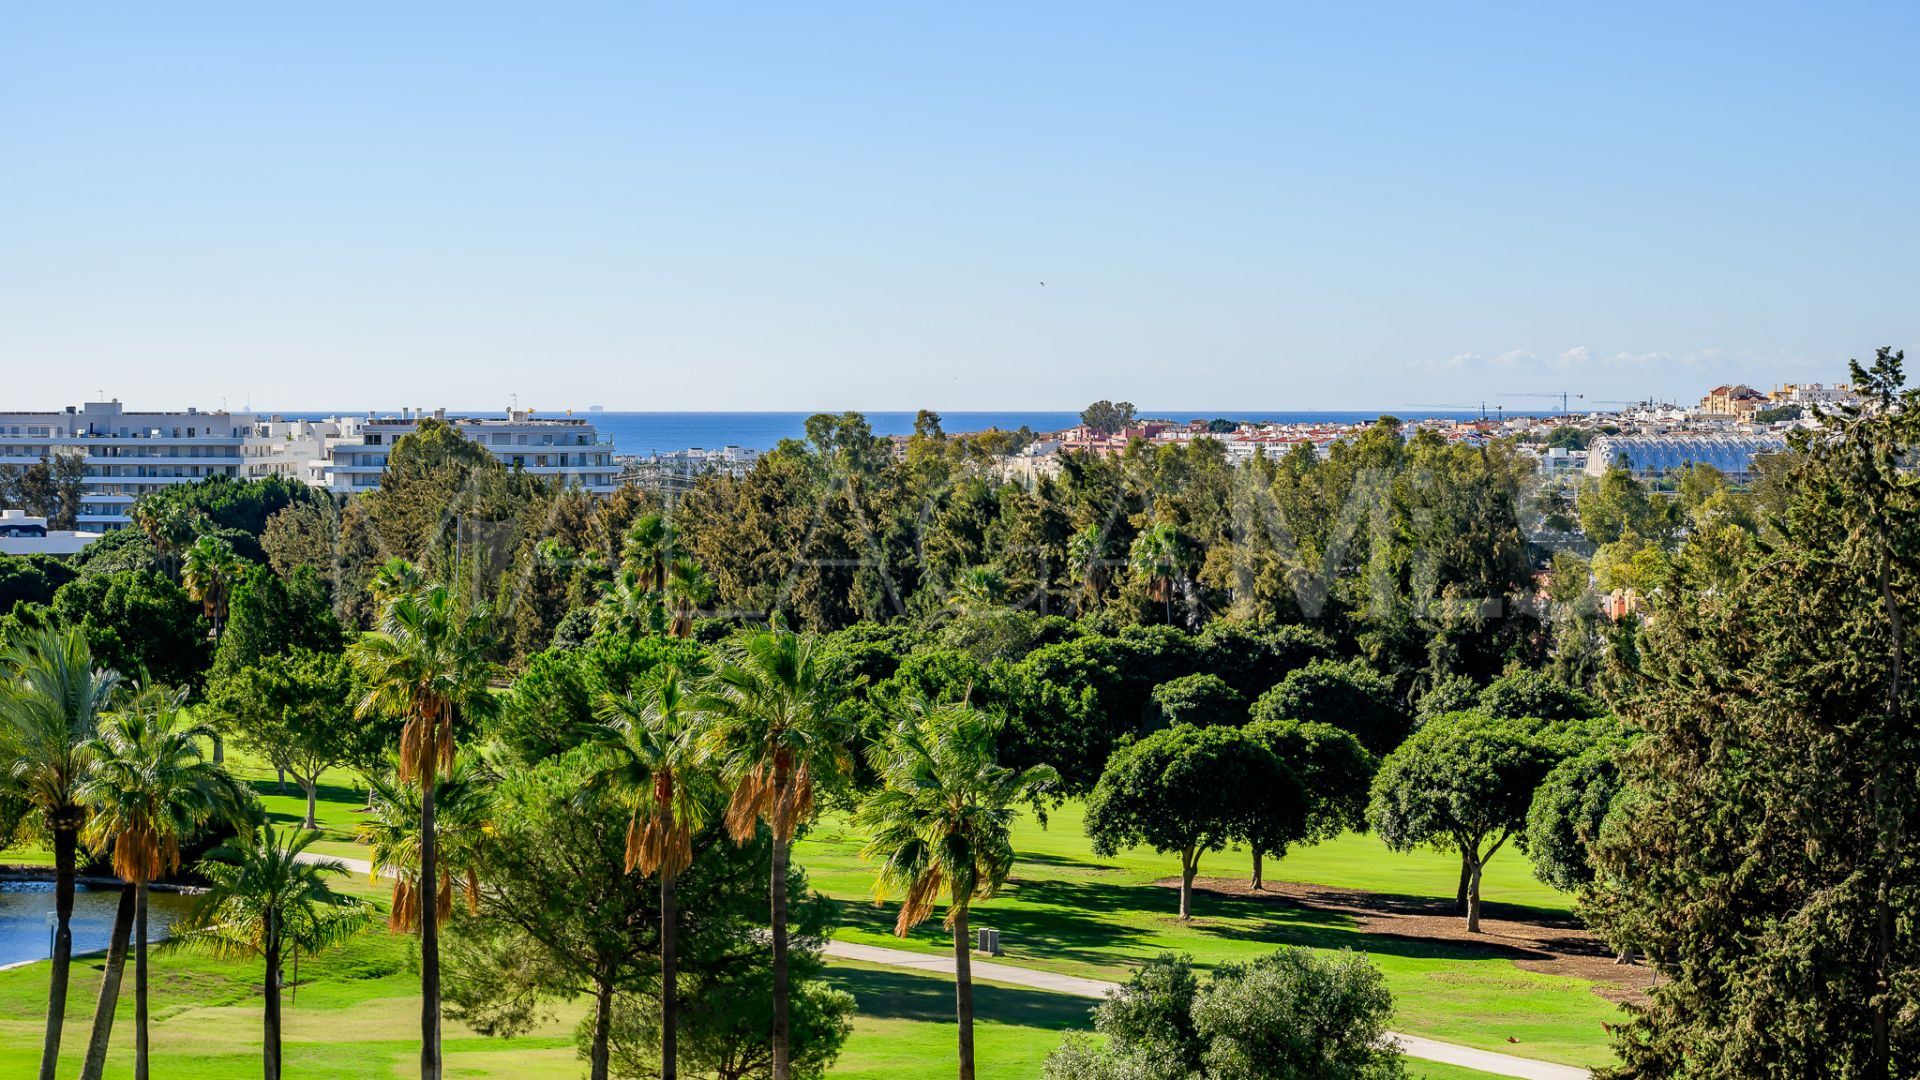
(1739, 402)
(126, 454)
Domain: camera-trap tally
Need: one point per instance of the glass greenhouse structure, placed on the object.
(1656, 455)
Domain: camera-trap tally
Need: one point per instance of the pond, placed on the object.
(26, 905)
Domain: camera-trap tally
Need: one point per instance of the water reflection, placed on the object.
(26, 905)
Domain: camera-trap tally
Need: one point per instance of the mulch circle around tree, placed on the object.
(1551, 944)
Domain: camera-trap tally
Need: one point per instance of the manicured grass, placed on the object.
(1065, 910)
(1069, 910)
(906, 1025)
(356, 1015)
(337, 808)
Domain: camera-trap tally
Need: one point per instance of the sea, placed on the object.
(647, 433)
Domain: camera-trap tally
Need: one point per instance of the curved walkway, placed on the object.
(986, 970)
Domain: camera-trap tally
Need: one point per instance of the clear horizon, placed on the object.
(739, 209)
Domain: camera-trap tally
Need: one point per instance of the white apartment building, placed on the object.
(564, 449)
(128, 454)
(295, 449)
(1815, 394)
(695, 461)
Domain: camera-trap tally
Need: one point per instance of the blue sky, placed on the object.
(837, 205)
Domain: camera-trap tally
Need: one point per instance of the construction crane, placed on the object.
(1455, 405)
(1563, 395)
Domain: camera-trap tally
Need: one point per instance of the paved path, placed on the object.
(354, 866)
(1412, 1045)
(988, 971)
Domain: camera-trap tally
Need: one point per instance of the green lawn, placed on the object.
(1065, 910)
(1068, 910)
(905, 1027)
(356, 1015)
(337, 810)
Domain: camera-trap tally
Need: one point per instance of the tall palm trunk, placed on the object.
(782, 1070)
(429, 935)
(140, 981)
(109, 1001)
(963, 990)
(270, 1049)
(66, 841)
(669, 977)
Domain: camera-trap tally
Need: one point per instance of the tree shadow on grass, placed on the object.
(1069, 861)
(899, 995)
(1109, 925)
(1051, 919)
(1285, 920)
(343, 794)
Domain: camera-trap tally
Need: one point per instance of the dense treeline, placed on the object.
(1402, 635)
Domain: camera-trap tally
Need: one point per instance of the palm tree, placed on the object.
(108, 1003)
(1156, 558)
(462, 799)
(149, 788)
(653, 764)
(209, 574)
(943, 819)
(773, 735)
(1087, 560)
(265, 897)
(168, 527)
(629, 607)
(649, 548)
(975, 589)
(687, 587)
(50, 707)
(395, 577)
(427, 665)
